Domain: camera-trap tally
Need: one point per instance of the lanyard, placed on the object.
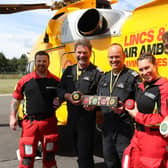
(78, 72)
(113, 83)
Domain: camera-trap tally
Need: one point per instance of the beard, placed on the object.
(84, 61)
(41, 68)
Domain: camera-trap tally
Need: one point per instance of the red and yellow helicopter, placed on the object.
(138, 31)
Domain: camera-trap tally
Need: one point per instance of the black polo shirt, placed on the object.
(37, 92)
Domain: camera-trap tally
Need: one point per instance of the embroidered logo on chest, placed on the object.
(120, 85)
(150, 95)
(86, 78)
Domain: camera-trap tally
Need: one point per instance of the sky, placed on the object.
(19, 31)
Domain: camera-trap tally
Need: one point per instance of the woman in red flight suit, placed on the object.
(148, 148)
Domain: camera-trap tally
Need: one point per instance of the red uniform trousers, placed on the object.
(33, 131)
(148, 149)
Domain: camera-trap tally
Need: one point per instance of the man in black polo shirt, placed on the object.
(38, 90)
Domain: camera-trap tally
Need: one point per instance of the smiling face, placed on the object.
(147, 70)
(116, 58)
(41, 64)
(83, 55)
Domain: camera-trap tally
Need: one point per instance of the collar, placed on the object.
(116, 74)
(36, 76)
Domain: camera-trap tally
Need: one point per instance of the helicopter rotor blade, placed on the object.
(13, 8)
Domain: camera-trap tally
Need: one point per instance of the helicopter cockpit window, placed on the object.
(93, 23)
(57, 16)
(103, 4)
(30, 67)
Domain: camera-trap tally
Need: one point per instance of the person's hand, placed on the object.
(132, 112)
(56, 102)
(13, 123)
(119, 109)
(165, 120)
(89, 107)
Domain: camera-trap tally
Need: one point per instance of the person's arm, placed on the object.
(149, 119)
(145, 119)
(153, 118)
(156, 118)
(14, 108)
(61, 89)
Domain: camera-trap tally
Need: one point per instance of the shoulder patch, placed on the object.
(100, 70)
(133, 73)
(108, 72)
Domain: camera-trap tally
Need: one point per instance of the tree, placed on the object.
(12, 65)
(22, 63)
(3, 62)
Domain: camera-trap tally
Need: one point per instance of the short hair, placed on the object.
(118, 44)
(83, 42)
(165, 36)
(148, 56)
(41, 53)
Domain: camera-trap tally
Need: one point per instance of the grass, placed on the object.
(7, 85)
(8, 82)
(11, 76)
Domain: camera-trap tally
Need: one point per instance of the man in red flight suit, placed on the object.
(38, 89)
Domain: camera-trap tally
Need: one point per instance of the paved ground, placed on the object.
(9, 144)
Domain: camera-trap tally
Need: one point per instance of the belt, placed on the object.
(146, 129)
(38, 117)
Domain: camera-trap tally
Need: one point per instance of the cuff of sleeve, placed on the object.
(61, 94)
(16, 96)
